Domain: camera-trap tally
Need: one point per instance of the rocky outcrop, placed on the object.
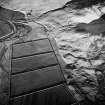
(79, 33)
(80, 4)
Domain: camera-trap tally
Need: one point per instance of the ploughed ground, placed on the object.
(80, 36)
